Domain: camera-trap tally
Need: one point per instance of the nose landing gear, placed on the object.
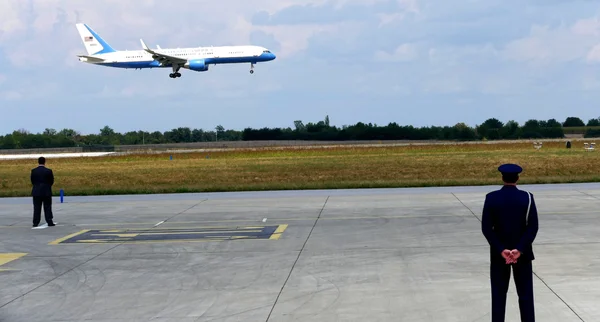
(251, 68)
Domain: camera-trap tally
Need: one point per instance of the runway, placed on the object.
(54, 155)
(410, 255)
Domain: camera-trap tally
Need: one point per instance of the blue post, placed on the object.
(170, 157)
(62, 195)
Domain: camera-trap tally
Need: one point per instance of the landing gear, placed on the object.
(175, 72)
(251, 68)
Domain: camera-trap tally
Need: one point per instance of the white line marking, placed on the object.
(264, 219)
(159, 223)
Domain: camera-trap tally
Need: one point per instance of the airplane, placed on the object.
(99, 52)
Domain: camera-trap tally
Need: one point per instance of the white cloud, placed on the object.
(457, 55)
(536, 47)
(402, 53)
(410, 5)
(294, 38)
(587, 27)
(11, 17)
(594, 54)
(26, 55)
(115, 16)
(407, 5)
(46, 13)
(546, 45)
(388, 18)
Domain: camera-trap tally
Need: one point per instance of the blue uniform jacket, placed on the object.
(504, 222)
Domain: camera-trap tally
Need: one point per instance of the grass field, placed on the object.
(301, 168)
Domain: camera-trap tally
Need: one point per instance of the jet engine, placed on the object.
(197, 65)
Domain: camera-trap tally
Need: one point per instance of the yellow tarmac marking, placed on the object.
(278, 232)
(56, 242)
(6, 258)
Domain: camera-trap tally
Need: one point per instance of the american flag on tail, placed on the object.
(88, 38)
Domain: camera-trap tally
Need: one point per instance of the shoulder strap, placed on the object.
(528, 207)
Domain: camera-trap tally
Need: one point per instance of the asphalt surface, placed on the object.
(341, 255)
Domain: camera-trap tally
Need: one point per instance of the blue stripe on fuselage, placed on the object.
(133, 64)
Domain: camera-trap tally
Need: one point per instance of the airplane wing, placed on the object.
(162, 58)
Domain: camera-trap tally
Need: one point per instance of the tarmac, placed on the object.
(323, 255)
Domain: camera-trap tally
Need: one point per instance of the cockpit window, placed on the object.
(266, 51)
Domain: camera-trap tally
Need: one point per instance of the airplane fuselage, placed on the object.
(138, 59)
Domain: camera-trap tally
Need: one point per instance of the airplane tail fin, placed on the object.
(94, 44)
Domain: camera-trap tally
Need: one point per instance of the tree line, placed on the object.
(491, 129)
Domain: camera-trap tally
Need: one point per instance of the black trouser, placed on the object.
(37, 210)
(500, 277)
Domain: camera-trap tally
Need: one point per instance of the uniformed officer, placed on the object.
(510, 224)
(42, 179)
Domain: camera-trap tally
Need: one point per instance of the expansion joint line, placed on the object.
(560, 298)
(297, 258)
(181, 212)
(462, 203)
(587, 194)
(534, 273)
(89, 260)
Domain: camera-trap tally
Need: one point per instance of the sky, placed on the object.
(413, 62)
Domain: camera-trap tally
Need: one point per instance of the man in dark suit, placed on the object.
(510, 224)
(42, 180)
